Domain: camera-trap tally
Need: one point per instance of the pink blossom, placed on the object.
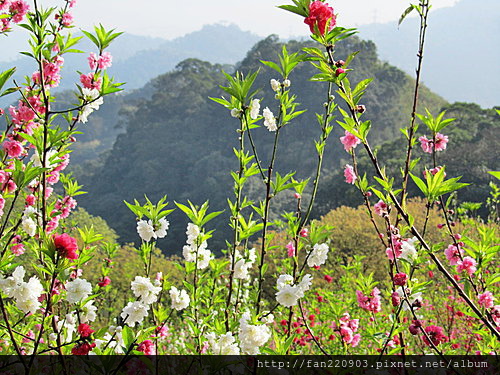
(18, 249)
(321, 17)
(9, 186)
(395, 299)
(381, 208)
(161, 331)
(66, 19)
(436, 335)
(355, 340)
(14, 149)
(53, 178)
(147, 347)
(400, 279)
(5, 24)
(349, 174)
(72, 3)
(428, 144)
(105, 281)
(434, 171)
(328, 278)
(453, 254)
(468, 264)
(290, 249)
(93, 59)
(89, 82)
(369, 303)
(22, 114)
(346, 333)
(441, 141)
(4, 4)
(304, 232)
(105, 60)
(349, 141)
(486, 299)
(18, 10)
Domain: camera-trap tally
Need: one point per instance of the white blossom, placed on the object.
(408, 251)
(275, 84)
(254, 109)
(26, 294)
(287, 83)
(163, 225)
(269, 120)
(145, 230)
(88, 313)
(289, 295)
(305, 283)
(78, 290)
(143, 288)
(284, 280)
(252, 337)
(134, 313)
(91, 97)
(195, 251)
(235, 112)
(29, 226)
(180, 298)
(222, 345)
(318, 255)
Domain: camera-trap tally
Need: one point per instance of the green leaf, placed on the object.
(4, 76)
(405, 14)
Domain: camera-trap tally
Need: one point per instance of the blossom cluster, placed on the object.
(195, 249)
(289, 293)
(26, 294)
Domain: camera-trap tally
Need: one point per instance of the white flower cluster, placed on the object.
(254, 109)
(252, 336)
(28, 224)
(223, 344)
(145, 290)
(146, 230)
(134, 312)
(147, 293)
(276, 85)
(243, 265)
(195, 251)
(288, 294)
(180, 298)
(269, 120)
(318, 255)
(78, 290)
(26, 294)
(91, 96)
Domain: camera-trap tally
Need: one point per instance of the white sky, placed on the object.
(172, 18)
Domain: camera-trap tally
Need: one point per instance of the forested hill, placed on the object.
(180, 143)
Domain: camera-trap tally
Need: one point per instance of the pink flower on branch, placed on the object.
(349, 141)
(349, 174)
(429, 146)
(321, 18)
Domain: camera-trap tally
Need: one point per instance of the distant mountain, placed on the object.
(461, 56)
(138, 59)
(178, 142)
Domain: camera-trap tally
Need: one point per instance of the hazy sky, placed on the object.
(169, 19)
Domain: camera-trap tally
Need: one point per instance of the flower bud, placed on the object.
(339, 71)
(360, 108)
(340, 63)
